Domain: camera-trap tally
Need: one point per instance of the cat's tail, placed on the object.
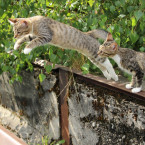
(98, 33)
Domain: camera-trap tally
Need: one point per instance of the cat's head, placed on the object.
(109, 47)
(21, 27)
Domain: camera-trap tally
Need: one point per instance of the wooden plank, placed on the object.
(64, 112)
(96, 80)
(115, 86)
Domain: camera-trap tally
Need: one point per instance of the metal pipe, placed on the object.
(8, 138)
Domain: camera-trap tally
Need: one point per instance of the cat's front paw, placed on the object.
(128, 86)
(107, 75)
(136, 90)
(27, 50)
(16, 46)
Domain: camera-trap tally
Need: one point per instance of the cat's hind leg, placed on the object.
(139, 78)
(133, 82)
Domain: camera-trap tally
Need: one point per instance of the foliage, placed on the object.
(123, 18)
(45, 140)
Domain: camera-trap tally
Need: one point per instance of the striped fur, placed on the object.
(41, 30)
(128, 60)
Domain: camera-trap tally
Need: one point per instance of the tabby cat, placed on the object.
(127, 59)
(39, 30)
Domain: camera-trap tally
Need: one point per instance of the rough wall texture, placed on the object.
(32, 108)
(97, 116)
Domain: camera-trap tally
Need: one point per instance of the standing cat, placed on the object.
(128, 60)
(39, 30)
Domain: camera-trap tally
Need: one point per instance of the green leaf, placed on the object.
(112, 8)
(104, 19)
(5, 68)
(117, 40)
(1, 12)
(42, 77)
(142, 4)
(18, 78)
(138, 14)
(142, 26)
(12, 71)
(50, 51)
(133, 21)
(15, 52)
(142, 49)
(130, 8)
(20, 2)
(91, 2)
(85, 68)
(110, 29)
(53, 58)
(60, 142)
(117, 3)
(24, 12)
(30, 66)
(134, 37)
(48, 68)
(17, 67)
(45, 140)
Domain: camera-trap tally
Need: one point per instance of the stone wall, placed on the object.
(30, 109)
(97, 116)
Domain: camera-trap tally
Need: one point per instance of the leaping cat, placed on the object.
(40, 30)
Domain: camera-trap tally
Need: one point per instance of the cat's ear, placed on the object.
(12, 21)
(24, 23)
(114, 46)
(109, 37)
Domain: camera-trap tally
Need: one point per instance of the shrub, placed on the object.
(123, 18)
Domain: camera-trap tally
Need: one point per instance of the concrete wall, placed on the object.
(97, 116)
(30, 109)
